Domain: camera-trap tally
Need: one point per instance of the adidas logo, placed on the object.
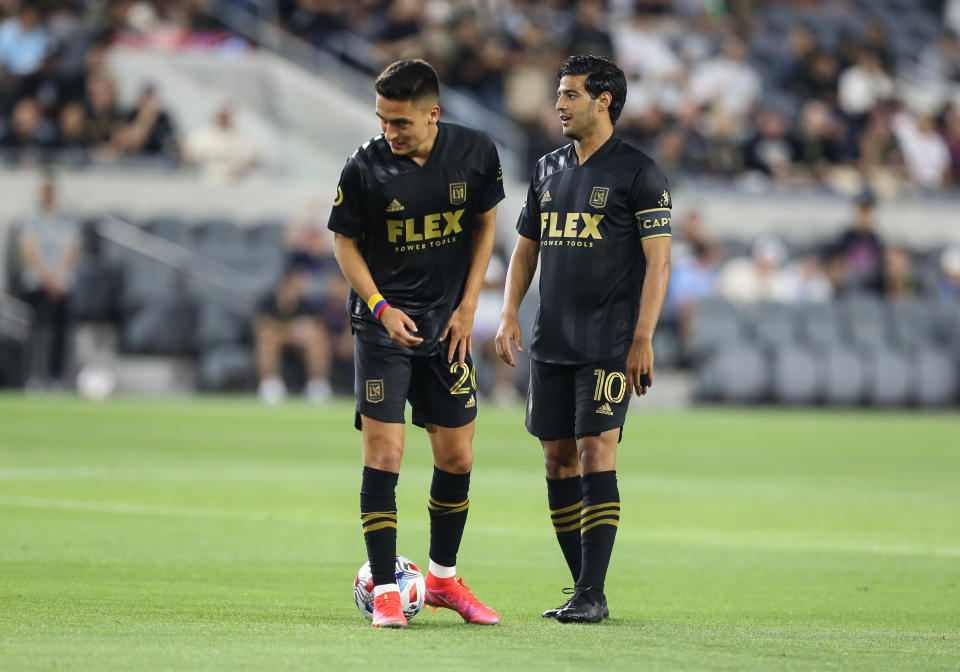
(395, 206)
(605, 409)
(546, 197)
(472, 401)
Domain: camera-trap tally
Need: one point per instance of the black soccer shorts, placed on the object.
(573, 401)
(440, 393)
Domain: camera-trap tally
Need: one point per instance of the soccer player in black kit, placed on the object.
(414, 222)
(598, 216)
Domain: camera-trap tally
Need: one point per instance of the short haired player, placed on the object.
(597, 217)
(414, 223)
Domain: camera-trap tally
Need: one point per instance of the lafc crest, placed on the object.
(458, 193)
(598, 197)
(375, 391)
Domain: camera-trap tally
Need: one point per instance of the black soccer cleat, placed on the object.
(586, 606)
(552, 613)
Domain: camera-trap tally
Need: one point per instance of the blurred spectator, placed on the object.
(104, 116)
(862, 249)
(898, 280)
(148, 129)
(589, 34)
(863, 85)
(220, 152)
(28, 136)
(878, 148)
(835, 270)
(49, 251)
(948, 289)
(334, 318)
(942, 59)
(924, 150)
(727, 81)
(818, 143)
(759, 278)
(477, 62)
(309, 243)
(72, 139)
(820, 78)
(694, 264)
(24, 41)
(400, 35)
(485, 324)
(951, 136)
(770, 150)
(807, 282)
(286, 320)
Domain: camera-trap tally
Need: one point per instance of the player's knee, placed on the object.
(456, 462)
(561, 466)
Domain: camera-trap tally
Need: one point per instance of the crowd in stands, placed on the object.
(785, 92)
(58, 97)
(857, 262)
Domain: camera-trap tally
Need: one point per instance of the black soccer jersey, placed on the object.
(590, 221)
(415, 223)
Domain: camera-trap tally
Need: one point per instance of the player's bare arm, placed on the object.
(640, 357)
(397, 323)
(523, 264)
(460, 325)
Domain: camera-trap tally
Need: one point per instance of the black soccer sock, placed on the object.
(448, 508)
(599, 520)
(565, 496)
(378, 515)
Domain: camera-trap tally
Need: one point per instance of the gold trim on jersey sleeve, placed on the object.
(658, 235)
(643, 212)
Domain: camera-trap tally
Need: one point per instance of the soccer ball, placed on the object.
(410, 580)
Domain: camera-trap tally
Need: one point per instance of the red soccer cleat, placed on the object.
(453, 594)
(387, 611)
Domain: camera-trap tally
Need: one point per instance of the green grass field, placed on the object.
(220, 534)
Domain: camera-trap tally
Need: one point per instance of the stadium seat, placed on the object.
(215, 325)
(157, 329)
(889, 377)
(842, 375)
(715, 323)
(947, 325)
(936, 377)
(146, 282)
(735, 374)
(863, 321)
(771, 323)
(910, 323)
(227, 367)
(818, 325)
(794, 375)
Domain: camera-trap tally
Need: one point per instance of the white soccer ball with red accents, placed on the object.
(409, 578)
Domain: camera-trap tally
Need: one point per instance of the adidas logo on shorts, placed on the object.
(471, 402)
(605, 409)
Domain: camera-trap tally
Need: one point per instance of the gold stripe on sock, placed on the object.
(568, 528)
(601, 506)
(367, 517)
(599, 514)
(566, 519)
(603, 521)
(380, 526)
(566, 509)
(447, 505)
(446, 511)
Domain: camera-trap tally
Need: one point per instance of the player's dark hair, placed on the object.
(602, 75)
(410, 79)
